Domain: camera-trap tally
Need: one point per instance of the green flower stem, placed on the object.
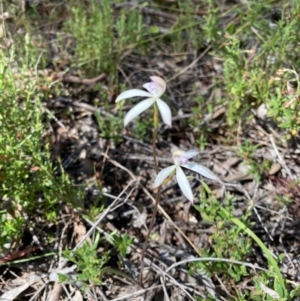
(156, 124)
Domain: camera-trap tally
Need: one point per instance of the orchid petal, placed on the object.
(165, 112)
(132, 93)
(191, 153)
(160, 81)
(184, 184)
(138, 109)
(202, 170)
(162, 175)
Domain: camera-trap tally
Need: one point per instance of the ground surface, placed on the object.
(112, 168)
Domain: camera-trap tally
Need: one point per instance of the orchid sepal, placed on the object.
(132, 93)
(184, 184)
(137, 110)
(163, 174)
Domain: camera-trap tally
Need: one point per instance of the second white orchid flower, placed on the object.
(181, 160)
(155, 89)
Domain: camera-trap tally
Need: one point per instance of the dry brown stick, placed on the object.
(78, 80)
(64, 77)
(148, 234)
(183, 70)
(56, 292)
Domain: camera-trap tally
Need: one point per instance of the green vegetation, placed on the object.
(256, 168)
(252, 53)
(28, 186)
(102, 38)
(89, 265)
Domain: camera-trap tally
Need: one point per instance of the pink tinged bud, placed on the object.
(180, 157)
(154, 88)
(159, 81)
(157, 87)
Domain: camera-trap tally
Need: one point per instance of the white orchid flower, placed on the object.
(155, 89)
(181, 160)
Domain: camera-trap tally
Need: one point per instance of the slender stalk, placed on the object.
(154, 150)
(157, 199)
(148, 235)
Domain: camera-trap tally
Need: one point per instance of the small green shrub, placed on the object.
(90, 265)
(102, 38)
(253, 49)
(26, 172)
(233, 239)
(256, 168)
